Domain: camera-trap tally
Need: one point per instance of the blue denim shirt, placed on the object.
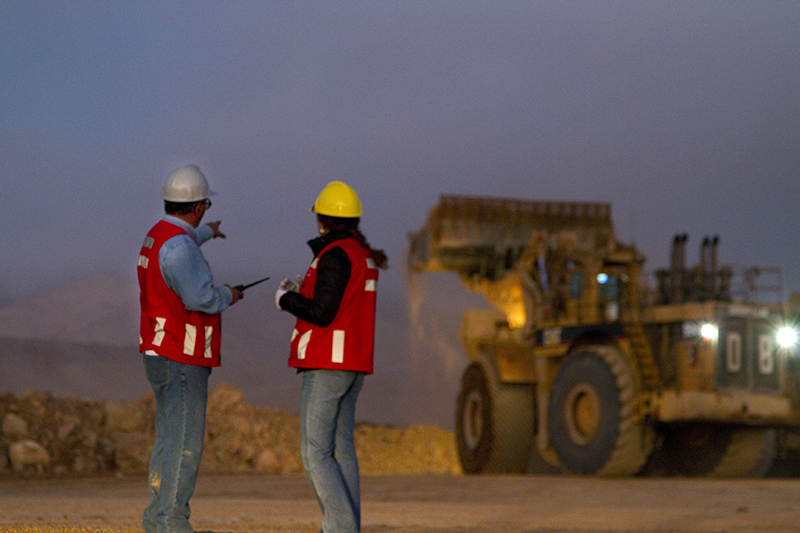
(186, 272)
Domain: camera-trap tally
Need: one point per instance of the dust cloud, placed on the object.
(436, 303)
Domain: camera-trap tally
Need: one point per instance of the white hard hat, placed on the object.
(187, 184)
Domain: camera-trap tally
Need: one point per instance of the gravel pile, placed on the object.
(42, 435)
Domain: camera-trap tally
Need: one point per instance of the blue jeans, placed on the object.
(327, 419)
(181, 393)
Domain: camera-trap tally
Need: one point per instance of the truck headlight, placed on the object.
(710, 332)
(787, 337)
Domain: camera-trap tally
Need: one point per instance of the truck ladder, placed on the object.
(643, 354)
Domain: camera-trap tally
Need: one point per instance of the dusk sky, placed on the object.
(684, 115)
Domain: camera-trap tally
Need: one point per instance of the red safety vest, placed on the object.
(166, 326)
(348, 343)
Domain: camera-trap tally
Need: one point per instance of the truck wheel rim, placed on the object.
(582, 414)
(473, 420)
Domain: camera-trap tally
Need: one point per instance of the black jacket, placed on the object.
(333, 273)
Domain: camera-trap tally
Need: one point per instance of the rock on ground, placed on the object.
(45, 436)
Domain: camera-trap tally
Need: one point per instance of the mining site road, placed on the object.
(422, 504)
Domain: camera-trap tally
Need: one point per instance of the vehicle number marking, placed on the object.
(733, 352)
(766, 361)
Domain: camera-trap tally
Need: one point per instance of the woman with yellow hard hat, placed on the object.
(332, 346)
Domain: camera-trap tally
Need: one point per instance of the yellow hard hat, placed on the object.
(338, 199)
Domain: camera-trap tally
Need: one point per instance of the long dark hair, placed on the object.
(350, 226)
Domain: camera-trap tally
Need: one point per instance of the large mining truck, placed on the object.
(584, 367)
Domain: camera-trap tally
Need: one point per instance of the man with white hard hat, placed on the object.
(180, 339)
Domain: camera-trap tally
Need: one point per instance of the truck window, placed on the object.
(575, 283)
(609, 287)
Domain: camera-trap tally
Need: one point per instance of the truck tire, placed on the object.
(750, 453)
(494, 421)
(713, 450)
(591, 415)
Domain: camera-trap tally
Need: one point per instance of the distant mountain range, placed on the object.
(81, 338)
(97, 309)
(65, 368)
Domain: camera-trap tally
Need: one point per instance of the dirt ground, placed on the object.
(421, 504)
